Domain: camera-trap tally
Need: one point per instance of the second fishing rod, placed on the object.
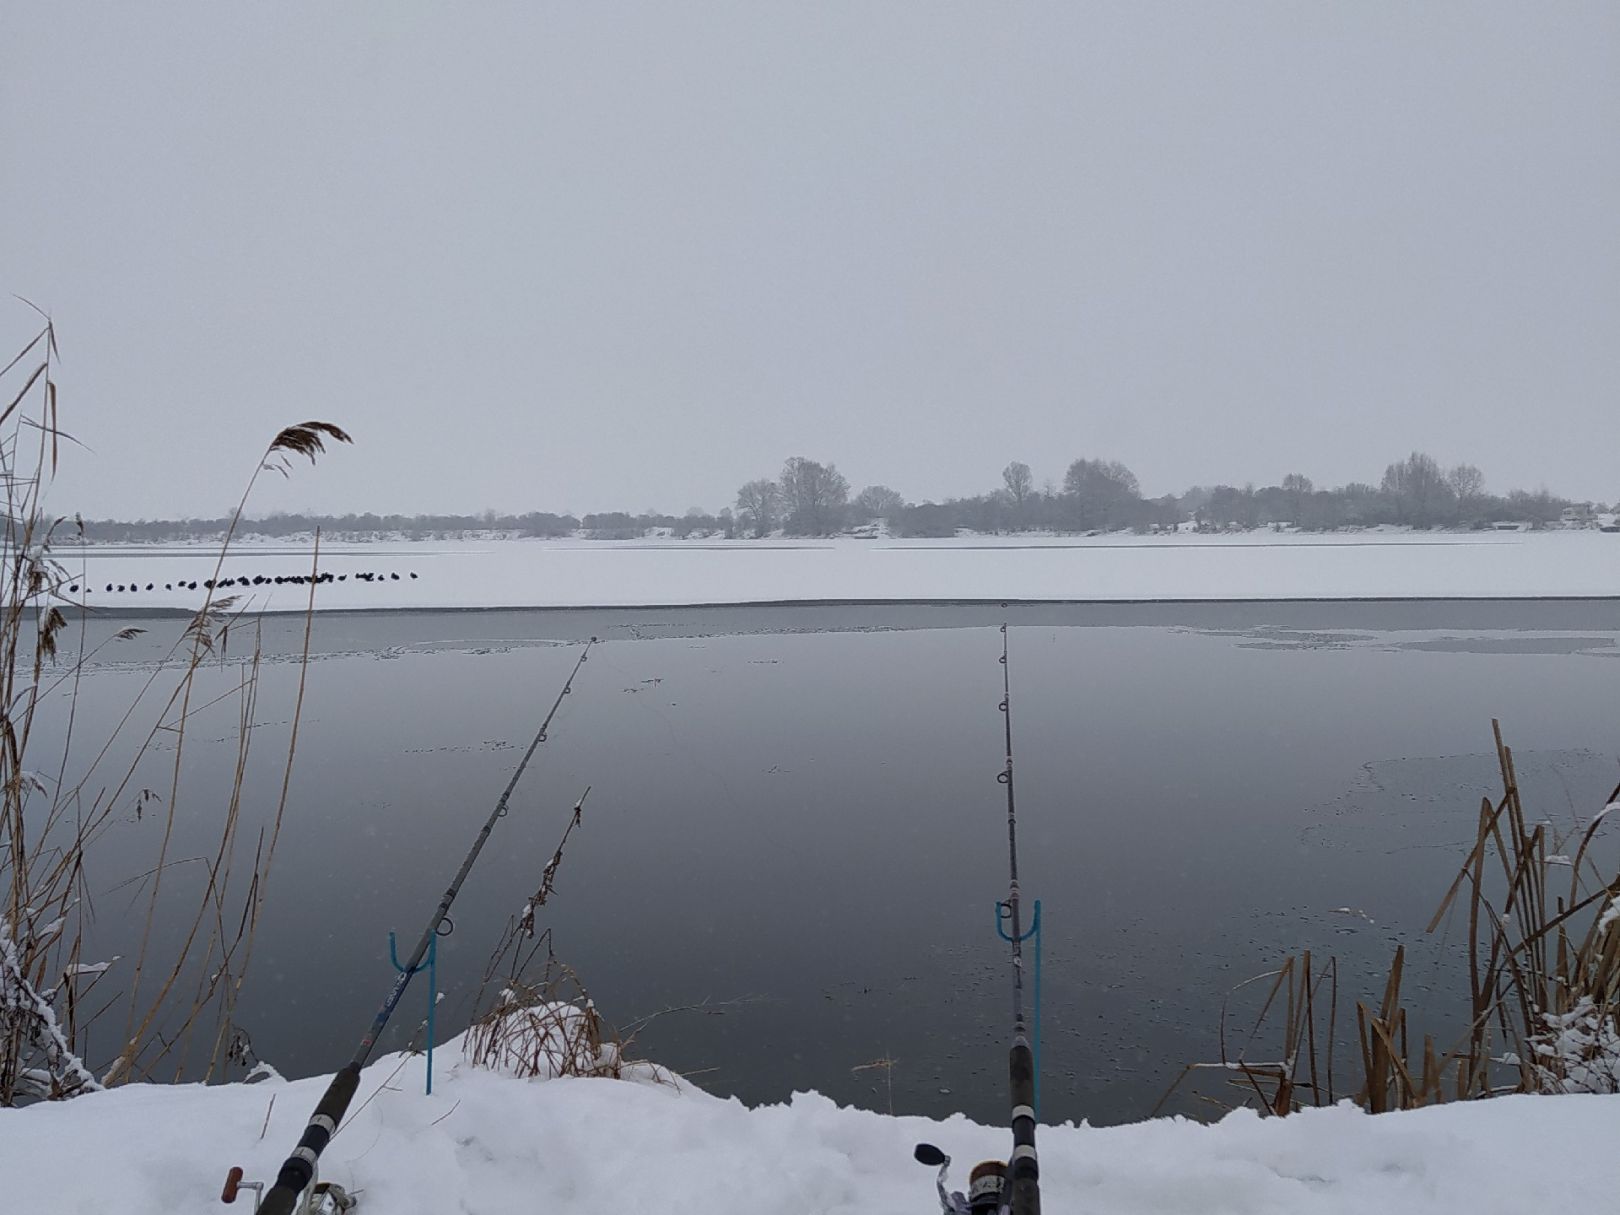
(1013, 1187)
(1023, 1167)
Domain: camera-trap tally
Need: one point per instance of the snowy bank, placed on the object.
(492, 1144)
(582, 573)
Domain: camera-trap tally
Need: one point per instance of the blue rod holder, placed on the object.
(432, 968)
(1003, 913)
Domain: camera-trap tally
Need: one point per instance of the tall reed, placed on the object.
(56, 813)
(1543, 961)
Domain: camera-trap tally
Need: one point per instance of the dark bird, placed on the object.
(109, 586)
(74, 589)
(120, 586)
(168, 586)
(148, 586)
(413, 573)
(191, 586)
(395, 577)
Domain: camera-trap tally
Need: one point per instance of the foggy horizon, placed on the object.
(583, 260)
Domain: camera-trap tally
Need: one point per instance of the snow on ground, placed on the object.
(583, 573)
(491, 1144)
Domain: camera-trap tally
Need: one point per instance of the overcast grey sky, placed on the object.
(588, 256)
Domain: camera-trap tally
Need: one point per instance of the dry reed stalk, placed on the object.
(547, 1025)
(39, 967)
(520, 943)
(1534, 964)
(1301, 1073)
(304, 439)
(1543, 979)
(47, 831)
(886, 1065)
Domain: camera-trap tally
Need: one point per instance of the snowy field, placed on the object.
(582, 573)
(491, 1144)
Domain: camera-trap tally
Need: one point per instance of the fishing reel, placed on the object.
(321, 1198)
(987, 1192)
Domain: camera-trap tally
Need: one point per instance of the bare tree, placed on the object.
(759, 505)
(1418, 490)
(877, 502)
(1100, 492)
(813, 497)
(1467, 482)
(1020, 483)
(1297, 488)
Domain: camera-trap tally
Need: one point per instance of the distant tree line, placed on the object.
(1104, 495)
(812, 499)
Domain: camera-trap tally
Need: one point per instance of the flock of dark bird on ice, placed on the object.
(220, 584)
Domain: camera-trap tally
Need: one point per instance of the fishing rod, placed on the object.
(1013, 1188)
(298, 1171)
(1023, 1167)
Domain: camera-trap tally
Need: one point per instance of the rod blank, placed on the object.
(1024, 1170)
(298, 1170)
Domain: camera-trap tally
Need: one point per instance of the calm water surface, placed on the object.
(794, 817)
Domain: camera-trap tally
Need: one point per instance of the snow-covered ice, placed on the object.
(491, 1144)
(645, 573)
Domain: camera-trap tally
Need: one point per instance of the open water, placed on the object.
(795, 836)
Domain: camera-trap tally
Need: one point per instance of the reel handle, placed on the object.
(234, 1185)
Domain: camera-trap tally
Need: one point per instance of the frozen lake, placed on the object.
(796, 808)
(581, 573)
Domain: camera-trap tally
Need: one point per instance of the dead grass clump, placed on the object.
(549, 1027)
(532, 1036)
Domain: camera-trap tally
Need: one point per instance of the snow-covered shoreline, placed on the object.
(489, 1143)
(655, 573)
